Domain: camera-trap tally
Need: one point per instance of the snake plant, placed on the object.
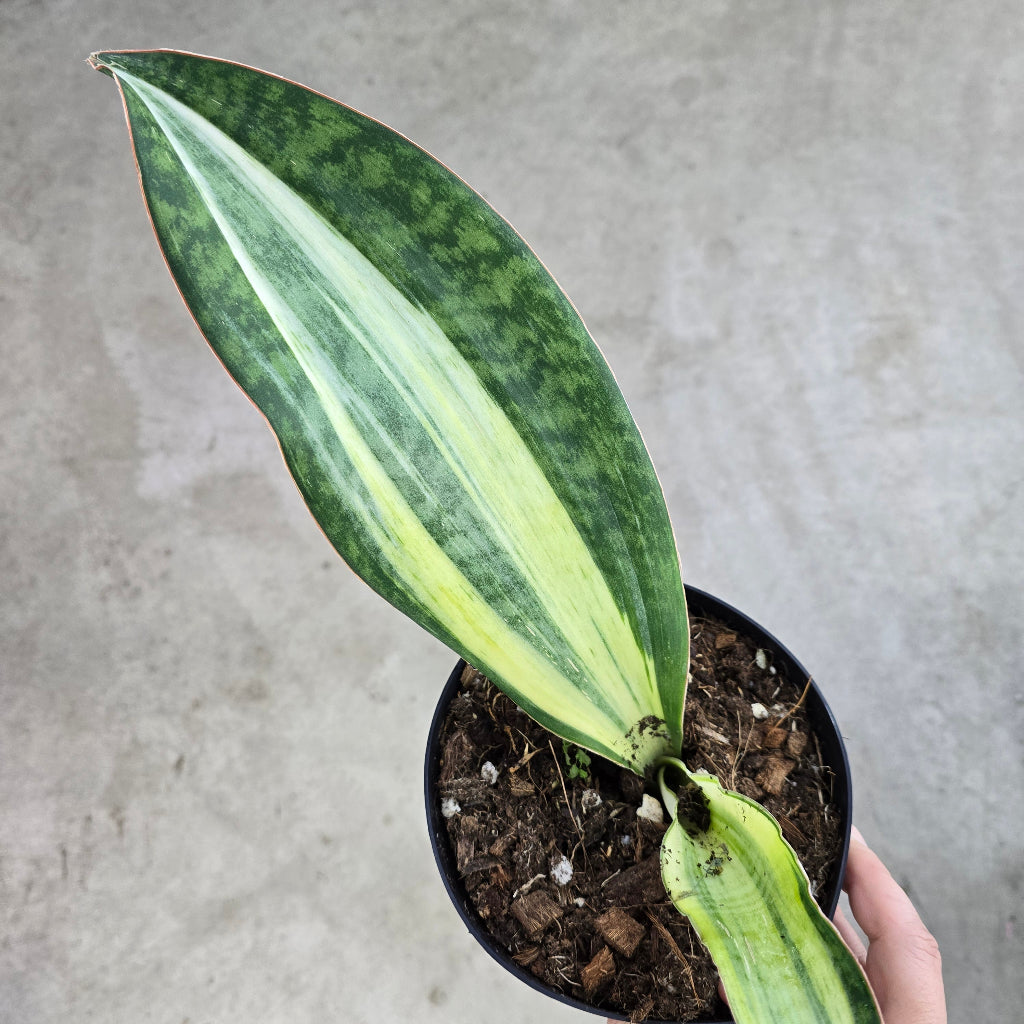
(463, 445)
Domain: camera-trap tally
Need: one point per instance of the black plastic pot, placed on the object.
(700, 604)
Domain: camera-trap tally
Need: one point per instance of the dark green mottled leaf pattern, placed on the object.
(583, 576)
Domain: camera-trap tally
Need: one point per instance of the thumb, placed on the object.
(903, 962)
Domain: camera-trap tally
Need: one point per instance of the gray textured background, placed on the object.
(795, 230)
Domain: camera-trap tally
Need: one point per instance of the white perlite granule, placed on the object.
(488, 773)
(650, 810)
(561, 870)
(449, 807)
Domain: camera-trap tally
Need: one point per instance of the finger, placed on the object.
(879, 905)
(850, 937)
(903, 962)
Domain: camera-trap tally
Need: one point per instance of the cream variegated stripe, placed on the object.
(743, 889)
(326, 285)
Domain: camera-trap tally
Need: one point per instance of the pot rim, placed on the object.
(699, 602)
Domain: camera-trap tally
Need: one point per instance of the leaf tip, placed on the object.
(98, 63)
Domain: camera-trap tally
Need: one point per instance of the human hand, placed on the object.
(902, 959)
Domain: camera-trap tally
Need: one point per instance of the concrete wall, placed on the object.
(796, 232)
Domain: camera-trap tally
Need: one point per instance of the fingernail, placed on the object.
(855, 834)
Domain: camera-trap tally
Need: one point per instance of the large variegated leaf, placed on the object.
(728, 868)
(445, 414)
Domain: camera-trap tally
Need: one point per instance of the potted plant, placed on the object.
(463, 445)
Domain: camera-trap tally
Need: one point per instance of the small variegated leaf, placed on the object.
(446, 416)
(727, 867)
